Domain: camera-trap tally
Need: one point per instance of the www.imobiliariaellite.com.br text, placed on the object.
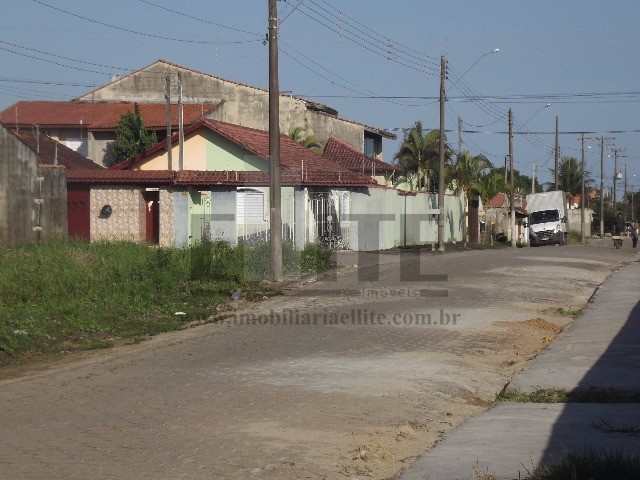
(355, 316)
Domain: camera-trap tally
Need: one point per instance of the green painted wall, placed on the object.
(221, 154)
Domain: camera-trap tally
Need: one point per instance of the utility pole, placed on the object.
(624, 201)
(167, 97)
(533, 179)
(615, 180)
(275, 219)
(506, 159)
(582, 233)
(602, 139)
(556, 153)
(602, 187)
(459, 136)
(512, 193)
(443, 98)
(180, 125)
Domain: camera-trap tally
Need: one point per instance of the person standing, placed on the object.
(634, 232)
(619, 227)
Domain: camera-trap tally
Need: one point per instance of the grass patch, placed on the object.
(575, 237)
(72, 295)
(565, 312)
(559, 395)
(592, 465)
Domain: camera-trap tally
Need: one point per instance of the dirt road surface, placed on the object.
(302, 386)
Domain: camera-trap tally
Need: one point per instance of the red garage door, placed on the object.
(78, 223)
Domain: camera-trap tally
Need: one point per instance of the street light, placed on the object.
(531, 117)
(495, 50)
(441, 149)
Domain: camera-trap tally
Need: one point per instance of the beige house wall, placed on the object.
(194, 156)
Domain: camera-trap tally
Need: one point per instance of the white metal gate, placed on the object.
(329, 219)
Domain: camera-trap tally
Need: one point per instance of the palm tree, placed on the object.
(468, 170)
(490, 184)
(569, 178)
(419, 152)
(312, 142)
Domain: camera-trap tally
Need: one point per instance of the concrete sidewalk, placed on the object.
(599, 350)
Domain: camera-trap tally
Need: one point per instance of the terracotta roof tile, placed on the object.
(153, 177)
(294, 158)
(66, 157)
(353, 159)
(98, 115)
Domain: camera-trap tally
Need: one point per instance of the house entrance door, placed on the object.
(78, 212)
(152, 216)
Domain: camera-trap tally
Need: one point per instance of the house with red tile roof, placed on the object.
(498, 217)
(244, 105)
(221, 192)
(89, 128)
(353, 159)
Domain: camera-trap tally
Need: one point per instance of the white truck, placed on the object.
(548, 218)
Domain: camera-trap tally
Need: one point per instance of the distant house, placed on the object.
(90, 128)
(32, 191)
(222, 192)
(354, 160)
(498, 217)
(239, 104)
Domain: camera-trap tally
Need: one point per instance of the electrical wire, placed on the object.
(363, 43)
(182, 14)
(149, 35)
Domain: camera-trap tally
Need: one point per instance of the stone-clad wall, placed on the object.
(166, 217)
(127, 220)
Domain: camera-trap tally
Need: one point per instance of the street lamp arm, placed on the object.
(495, 50)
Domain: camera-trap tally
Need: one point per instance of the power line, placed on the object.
(385, 42)
(53, 63)
(64, 58)
(362, 42)
(182, 14)
(122, 29)
(372, 96)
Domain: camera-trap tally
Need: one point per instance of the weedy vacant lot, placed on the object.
(72, 295)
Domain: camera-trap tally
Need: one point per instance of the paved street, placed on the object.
(290, 395)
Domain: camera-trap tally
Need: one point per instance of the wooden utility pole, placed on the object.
(441, 145)
(555, 163)
(180, 125)
(512, 193)
(275, 223)
(167, 97)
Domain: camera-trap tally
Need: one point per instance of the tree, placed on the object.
(569, 178)
(312, 142)
(468, 170)
(132, 137)
(419, 153)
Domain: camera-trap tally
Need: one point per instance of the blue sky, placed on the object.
(547, 48)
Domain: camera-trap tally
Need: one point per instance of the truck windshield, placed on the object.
(544, 216)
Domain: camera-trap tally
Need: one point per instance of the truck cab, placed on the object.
(547, 218)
